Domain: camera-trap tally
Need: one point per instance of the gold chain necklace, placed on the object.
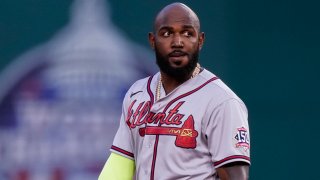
(195, 72)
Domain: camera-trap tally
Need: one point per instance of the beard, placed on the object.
(182, 73)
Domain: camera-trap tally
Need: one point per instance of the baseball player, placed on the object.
(183, 122)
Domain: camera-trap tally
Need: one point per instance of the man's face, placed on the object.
(177, 43)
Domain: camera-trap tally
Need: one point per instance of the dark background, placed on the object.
(266, 51)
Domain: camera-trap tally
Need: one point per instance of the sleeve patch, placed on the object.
(242, 138)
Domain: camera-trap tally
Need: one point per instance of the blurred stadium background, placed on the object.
(65, 66)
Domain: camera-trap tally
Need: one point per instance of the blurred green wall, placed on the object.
(268, 52)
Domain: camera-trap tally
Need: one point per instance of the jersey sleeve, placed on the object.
(123, 141)
(227, 132)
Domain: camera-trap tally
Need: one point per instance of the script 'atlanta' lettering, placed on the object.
(142, 115)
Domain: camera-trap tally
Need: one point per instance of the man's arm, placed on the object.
(117, 168)
(234, 171)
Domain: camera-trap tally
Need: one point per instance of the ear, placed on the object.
(201, 40)
(151, 40)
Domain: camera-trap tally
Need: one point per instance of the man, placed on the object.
(183, 122)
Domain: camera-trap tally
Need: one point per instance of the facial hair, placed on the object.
(181, 74)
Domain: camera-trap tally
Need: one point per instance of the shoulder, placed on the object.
(142, 84)
(217, 91)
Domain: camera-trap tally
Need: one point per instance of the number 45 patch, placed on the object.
(242, 138)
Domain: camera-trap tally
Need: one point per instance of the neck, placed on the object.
(170, 83)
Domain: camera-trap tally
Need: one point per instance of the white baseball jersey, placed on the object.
(186, 134)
